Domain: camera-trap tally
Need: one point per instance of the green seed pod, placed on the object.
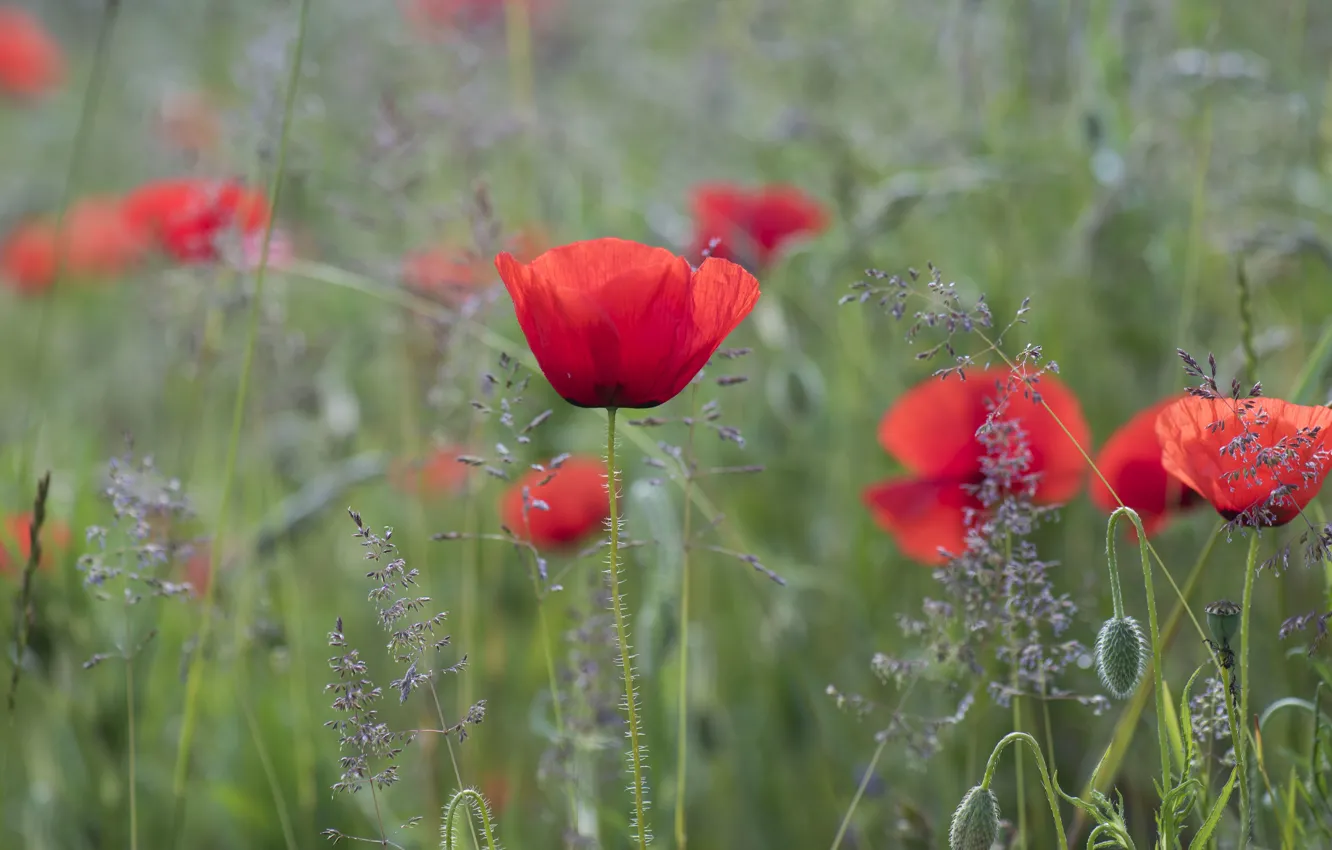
(1121, 656)
(976, 821)
(1223, 620)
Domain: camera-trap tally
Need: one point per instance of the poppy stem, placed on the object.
(636, 748)
(1154, 629)
(682, 730)
(1239, 734)
(1116, 594)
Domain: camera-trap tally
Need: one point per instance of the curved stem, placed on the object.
(622, 638)
(194, 681)
(1158, 677)
(1015, 737)
(1116, 594)
(1239, 732)
(476, 801)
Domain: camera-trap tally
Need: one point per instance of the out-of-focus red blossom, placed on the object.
(450, 275)
(434, 16)
(189, 121)
(31, 62)
(1286, 445)
(754, 225)
(199, 569)
(931, 430)
(99, 242)
(438, 474)
(613, 323)
(495, 787)
(1131, 462)
(187, 216)
(576, 498)
(14, 542)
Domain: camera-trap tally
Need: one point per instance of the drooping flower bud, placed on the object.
(1223, 620)
(976, 822)
(1121, 656)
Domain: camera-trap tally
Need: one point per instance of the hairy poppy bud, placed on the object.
(976, 821)
(1121, 656)
(1223, 620)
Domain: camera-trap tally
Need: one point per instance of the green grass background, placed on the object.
(951, 131)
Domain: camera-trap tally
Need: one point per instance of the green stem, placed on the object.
(1116, 594)
(622, 638)
(1239, 732)
(682, 727)
(860, 792)
(475, 801)
(1015, 737)
(1158, 677)
(1246, 323)
(1020, 840)
(194, 682)
(133, 778)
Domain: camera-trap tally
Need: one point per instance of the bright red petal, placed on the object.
(1197, 440)
(922, 516)
(576, 498)
(1131, 462)
(617, 324)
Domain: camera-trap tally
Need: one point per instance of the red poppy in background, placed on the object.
(1237, 454)
(754, 225)
(613, 323)
(450, 275)
(188, 216)
(1131, 462)
(440, 473)
(435, 15)
(189, 121)
(31, 62)
(14, 542)
(99, 242)
(576, 500)
(931, 430)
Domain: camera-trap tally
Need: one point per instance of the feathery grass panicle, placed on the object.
(370, 746)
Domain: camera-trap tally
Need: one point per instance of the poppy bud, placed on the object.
(976, 821)
(1223, 620)
(1121, 656)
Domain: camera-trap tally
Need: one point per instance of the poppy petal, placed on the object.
(922, 516)
(1131, 462)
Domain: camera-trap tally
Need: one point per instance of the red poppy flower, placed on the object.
(188, 216)
(575, 497)
(447, 276)
(435, 15)
(189, 121)
(613, 323)
(31, 63)
(932, 431)
(1131, 461)
(753, 225)
(14, 548)
(99, 242)
(438, 474)
(1237, 454)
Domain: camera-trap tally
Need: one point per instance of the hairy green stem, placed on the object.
(194, 682)
(1239, 733)
(622, 638)
(1051, 798)
(1158, 677)
(473, 800)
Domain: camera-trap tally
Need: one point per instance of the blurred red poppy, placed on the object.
(1261, 457)
(754, 225)
(14, 541)
(1131, 462)
(931, 430)
(189, 121)
(188, 217)
(438, 474)
(613, 323)
(199, 569)
(435, 15)
(576, 503)
(450, 275)
(31, 62)
(99, 242)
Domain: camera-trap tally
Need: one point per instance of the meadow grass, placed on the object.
(1152, 176)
